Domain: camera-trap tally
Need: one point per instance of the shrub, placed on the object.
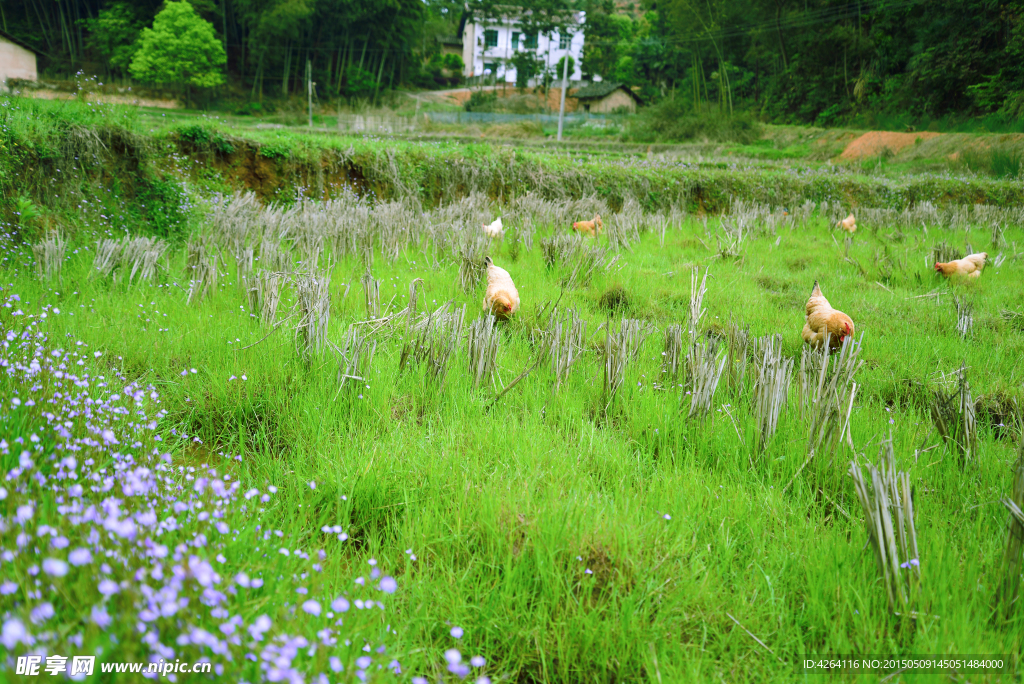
(998, 162)
(166, 207)
(481, 101)
(359, 83)
(453, 63)
(674, 121)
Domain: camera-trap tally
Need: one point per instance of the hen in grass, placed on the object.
(495, 229)
(824, 322)
(849, 224)
(968, 267)
(591, 228)
(501, 298)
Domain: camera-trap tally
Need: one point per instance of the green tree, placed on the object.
(180, 50)
(561, 65)
(113, 34)
(453, 62)
(527, 66)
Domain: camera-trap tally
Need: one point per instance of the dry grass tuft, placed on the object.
(954, 418)
(964, 317)
(108, 256)
(894, 541)
(1012, 560)
(313, 304)
(483, 349)
(355, 356)
(704, 367)
(49, 257)
(201, 265)
(432, 338)
(566, 344)
(141, 257)
(371, 293)
(771, 386)
(264, 293)
(672, 357)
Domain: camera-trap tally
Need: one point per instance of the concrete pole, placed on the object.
(565, 86)
(309, 88)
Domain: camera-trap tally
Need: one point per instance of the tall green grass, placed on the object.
(574, 543)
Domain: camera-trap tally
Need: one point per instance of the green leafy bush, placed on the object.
(166, 207)
(481, 101)
(673, 121)
(358, 83)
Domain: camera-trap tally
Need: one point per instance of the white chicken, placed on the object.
(495, 229)
(501, 298)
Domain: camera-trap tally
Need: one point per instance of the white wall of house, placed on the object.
(16, 62)
(507, 39)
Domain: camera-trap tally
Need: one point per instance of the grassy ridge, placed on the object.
(508, 509)
(64, 155)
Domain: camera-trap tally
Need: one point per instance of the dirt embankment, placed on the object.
(874, 143)
(533, 100)
(106, 99)
(929, 145)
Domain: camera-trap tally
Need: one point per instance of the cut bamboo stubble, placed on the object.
(894, 542)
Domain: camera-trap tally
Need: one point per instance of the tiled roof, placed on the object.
(601, 89)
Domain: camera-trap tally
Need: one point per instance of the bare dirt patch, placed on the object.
(873, 143)
(104, 98)
(539, 100)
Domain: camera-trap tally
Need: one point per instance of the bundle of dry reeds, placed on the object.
(1010, 589)
(739, 341)
(826, 391)
(355, 356)
(954, 417)
(264, 294)
(944, 253)
(672, 357)
(49, 256)
(771, 386)
(313, 304)
(201, 266)
(566, 344)
(108, 257)
(141, 257)
(483, 349)
(964, 316)
(432, 338)
(894, 541)
(697, 310)
(730, 240)
(704, 367)
(619, 348)
(371, 293)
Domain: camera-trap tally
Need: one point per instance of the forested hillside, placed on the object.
(814, 61)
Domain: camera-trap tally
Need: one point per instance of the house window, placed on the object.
(491, 38)
(531, 41)
(563, 41)
(490, 68)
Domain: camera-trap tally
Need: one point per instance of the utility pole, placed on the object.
(309, 88)
(565, 85)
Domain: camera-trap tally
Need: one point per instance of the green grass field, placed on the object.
(573, 537)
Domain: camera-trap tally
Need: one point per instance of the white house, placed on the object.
(17, 59)
(488, 46)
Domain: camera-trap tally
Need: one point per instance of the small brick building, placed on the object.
(17, 59)
(607, 97)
